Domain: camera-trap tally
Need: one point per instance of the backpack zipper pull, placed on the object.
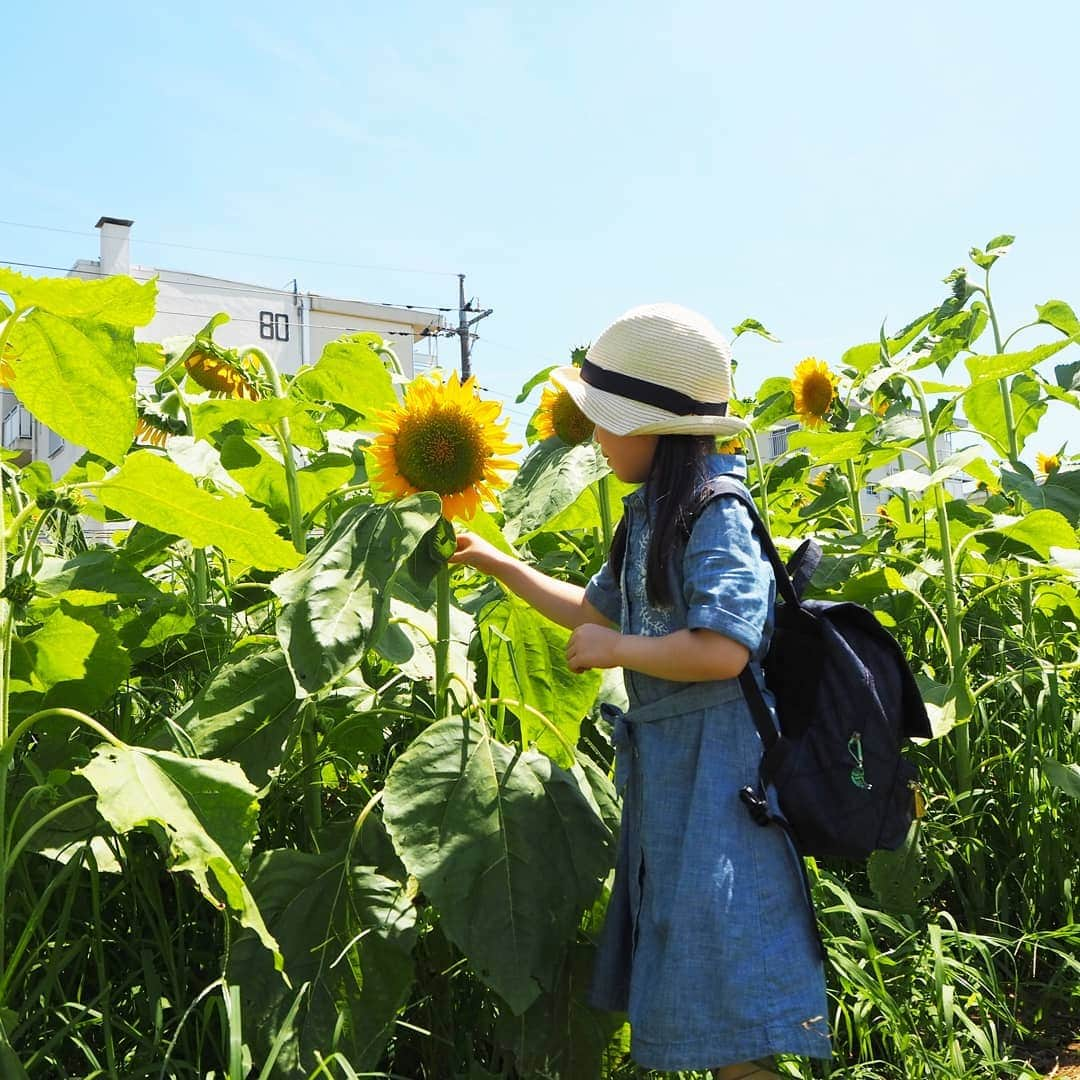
(858, 774)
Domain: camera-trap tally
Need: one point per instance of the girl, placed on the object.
(708, 943)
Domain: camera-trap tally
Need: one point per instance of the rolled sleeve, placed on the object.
(727, 583)
(604, 594)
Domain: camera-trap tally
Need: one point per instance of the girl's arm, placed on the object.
(683, 656)
(559, 601)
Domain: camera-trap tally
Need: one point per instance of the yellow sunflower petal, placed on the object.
(1047, 464)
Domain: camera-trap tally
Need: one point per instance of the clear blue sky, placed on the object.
(818, 166)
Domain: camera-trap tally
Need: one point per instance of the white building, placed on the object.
(290, 325)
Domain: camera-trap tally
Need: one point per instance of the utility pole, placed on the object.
(463, 326)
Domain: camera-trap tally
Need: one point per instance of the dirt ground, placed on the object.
(1058, 1057)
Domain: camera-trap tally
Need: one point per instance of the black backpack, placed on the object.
(846, 702)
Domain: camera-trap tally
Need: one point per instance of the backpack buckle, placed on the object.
(756, 806)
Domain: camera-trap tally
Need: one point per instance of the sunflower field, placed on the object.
(285, 795)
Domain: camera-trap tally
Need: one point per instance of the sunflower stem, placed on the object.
(605, 511)
(20, 519)
(954, 643)
(35, 532)
(905, 495)
(309, 752)
(763, 493)
(442, 642)
(284, 437)
(201, 577)
(1003, 384)
(853, 489)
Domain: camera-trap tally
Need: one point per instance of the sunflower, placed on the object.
(814, 387)
(442, 438)
(731, 446)
(220, 371)
(559, 417)
(1047, 464)
(153, 429)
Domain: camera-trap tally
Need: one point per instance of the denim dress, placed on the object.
(708, 942)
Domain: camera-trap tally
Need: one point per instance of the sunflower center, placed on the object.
(442, 450)
(569, 422)
(817, 393)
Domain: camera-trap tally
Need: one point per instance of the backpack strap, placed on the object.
(726, 486)
(791, 580)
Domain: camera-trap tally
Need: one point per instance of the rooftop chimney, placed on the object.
(115, 245)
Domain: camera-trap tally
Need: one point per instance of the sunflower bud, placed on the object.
(19, 590)
(71, 503)
(961, 288)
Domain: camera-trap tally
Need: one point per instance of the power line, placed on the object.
(243, 254)
(248, 290)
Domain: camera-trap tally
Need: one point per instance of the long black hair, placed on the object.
(675, 477)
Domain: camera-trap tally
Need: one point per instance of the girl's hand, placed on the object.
(477, 553)
(592, 646)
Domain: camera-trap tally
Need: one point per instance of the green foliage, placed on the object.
(526, 658)
(337, 602)
(322, 909)
(350, 372)
(335, 754)
(482, 826)
(204, 812)
(153, 490)
(550, 479)
(78, 379)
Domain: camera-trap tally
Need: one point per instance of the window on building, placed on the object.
(56, 443)
(18, 424)
(871, 489)
(273, 326)
(778, 440)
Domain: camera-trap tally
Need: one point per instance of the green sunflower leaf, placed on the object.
(345, 930)
(1060, 316)
(753, 326)
(74, 659)
(78, 379)
(116, 301)
(533, 383)
(204, 813)
(1066, 778)
(484, 827)
(337, 602)
(552, 477)
(1002, 365)
(351, 373)
(151, 489)
(527, 659)
(244, 712)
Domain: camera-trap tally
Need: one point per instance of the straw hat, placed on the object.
(660, 369)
